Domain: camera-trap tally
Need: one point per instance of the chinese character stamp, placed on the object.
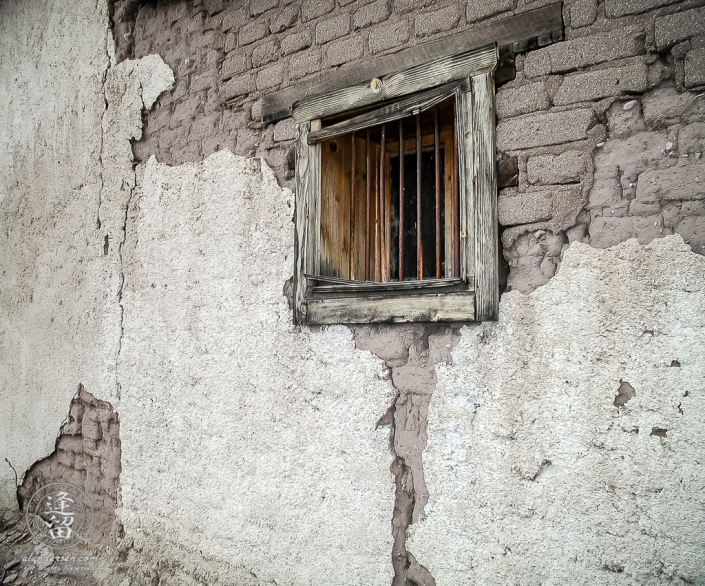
(59, 515)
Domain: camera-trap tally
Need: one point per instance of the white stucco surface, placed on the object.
(53, 296)
(534, 475)
(250, 452)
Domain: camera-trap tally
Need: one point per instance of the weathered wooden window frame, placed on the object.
(478, 297)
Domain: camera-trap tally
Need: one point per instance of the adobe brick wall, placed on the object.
(602, 124)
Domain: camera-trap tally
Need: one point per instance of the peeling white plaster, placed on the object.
(243, 437)
(535, 477)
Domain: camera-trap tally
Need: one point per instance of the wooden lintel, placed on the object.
(533, 23)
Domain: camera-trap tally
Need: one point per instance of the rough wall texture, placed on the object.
(542, 465)
(250, 448)
(56, 312)
(562, 118)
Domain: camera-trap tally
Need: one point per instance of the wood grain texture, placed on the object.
(350, 287)
(486, 230)
(419, 102)
(306, 217)
(466, 181)
(514, 29)
(452, 307)
(407, 81)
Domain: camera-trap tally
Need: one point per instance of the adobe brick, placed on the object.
(284, 19)
(214, 6)
(692, 229)
(344, 50)
(265, 53)
(311, 9)
(524, 208)
(252, 32)
(430, 23)
(230, 41)
(481, 9)
(238, 86)
(270, 77)
(372, 14)
(522, 99)
(677, 27)
(404, 6)
(304, 63)
(257, 7)
(388, 36)
(333, 28)
(618, 8)
(594, 85)
(584, 51)
(555, 169)
(296, 42)
(233, 20)
(608, 231)
(284, 130)
(694, 68)
(532, 130)
(675, 183)
(583, 13)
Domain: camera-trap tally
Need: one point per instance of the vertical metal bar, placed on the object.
(437, 157)
(367, 211)
(382, 235)
(352, 208)
(401, 200)
(456, 204)
(419, 244)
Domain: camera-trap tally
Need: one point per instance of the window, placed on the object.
(396, 197)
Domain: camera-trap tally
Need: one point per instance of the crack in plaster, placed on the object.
(410, 354)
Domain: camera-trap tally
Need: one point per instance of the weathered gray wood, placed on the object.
(466, 180)
(306, 217)
(515, 29)
(483, 156)
(388, 287)
(401, 83)
(452, 307)
(418, 103)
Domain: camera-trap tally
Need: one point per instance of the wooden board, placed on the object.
(453, 307)
(514, 29)
(408, 81)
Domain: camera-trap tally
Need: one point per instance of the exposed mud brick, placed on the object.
(533, 259)
(372, 14)
(638, 208)
(333, 28)
(479, 9)
(694, 68)
(522, 100)
(677, 27)
(233, 20)
(606, 232)
(254, 31)
(606, 193)
(692, 229)
(429, 23)
(239, 86)
(284, 130)
(344, 50)
(235, 63)
(214, 6)
(403, 6)
(311, 9)
(584, 51)
(625, 119)
(601, 84)
(677, 183)
(265, 53)
(296, 42)
(388, 36)
(271, 76)
(664, 105)
(534, 130)
(305, 62)
(257, 7)
(582, 12)
(617, 8)
(524, 208)
(283, 19)
(551, 169)
(691, 138)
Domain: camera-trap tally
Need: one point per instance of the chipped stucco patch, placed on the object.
(534, 474)
(249, 445)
